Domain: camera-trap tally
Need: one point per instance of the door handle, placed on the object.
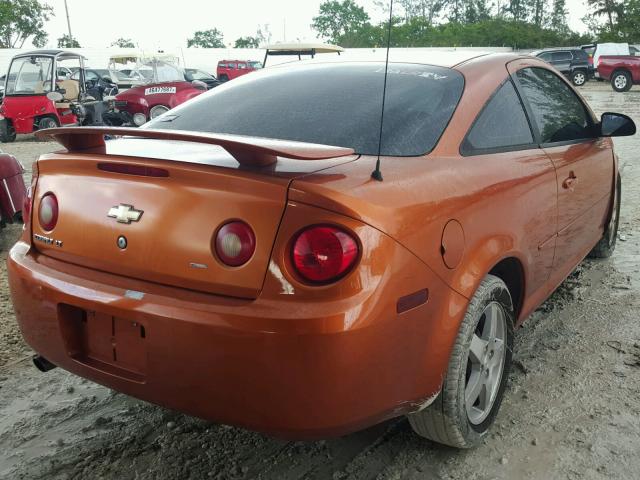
(570, 181)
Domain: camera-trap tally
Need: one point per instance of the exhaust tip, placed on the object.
(42, 363)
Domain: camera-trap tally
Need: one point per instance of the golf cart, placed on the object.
(299, 50)
(123, 70)
(163, 87)
(39, 94)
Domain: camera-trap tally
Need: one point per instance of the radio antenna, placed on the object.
(377, 174)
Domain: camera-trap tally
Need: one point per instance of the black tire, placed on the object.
(223, 78)
(607, 244)
(7, 132)
(621, 81)
(579, 77)
(47, 122)
(447, 420)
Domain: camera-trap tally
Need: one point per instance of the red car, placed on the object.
(165, 89)
(621, 70)
(230, 69)
(13, 193)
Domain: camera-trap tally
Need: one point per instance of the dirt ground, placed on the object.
(572, 408)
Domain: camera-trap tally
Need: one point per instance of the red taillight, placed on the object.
(323, 254)
(48, 212)
(235, 243)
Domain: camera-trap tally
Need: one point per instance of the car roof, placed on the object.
(442, 58)
(51, 53)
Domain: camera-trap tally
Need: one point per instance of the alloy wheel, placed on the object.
(485, 363)
(578, 78)
(620, 81)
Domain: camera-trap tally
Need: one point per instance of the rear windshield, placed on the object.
(331, 104)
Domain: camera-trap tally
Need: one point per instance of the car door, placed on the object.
(501, 139)
(565, 129)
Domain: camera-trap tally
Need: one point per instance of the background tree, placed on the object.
(124, 43)
(339, 18)
(427, 10)
(247, 42)
(558, 18)
(211, 38)
(65, 41)
(21, 20)
(629, 22)
(518, 10)
(608, 9)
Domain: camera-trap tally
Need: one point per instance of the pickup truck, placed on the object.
(621, 70)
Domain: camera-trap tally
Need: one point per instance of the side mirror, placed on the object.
(616, 125)
(55, 96)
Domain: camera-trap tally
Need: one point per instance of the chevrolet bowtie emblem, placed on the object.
(125, 213)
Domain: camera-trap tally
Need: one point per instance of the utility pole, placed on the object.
(68, 21)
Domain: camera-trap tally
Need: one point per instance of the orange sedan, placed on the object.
(235, 259)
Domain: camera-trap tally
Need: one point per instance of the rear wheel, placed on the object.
(621, 81)
(7, 132)
(579, 78)
(607, 244)
(47, 122)
(477, 374)
(223, 78)
(157, 111)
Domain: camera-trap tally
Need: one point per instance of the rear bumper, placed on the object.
(235, 361)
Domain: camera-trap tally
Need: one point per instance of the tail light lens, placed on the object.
(48, 212)
(323, 254)
(235, 243)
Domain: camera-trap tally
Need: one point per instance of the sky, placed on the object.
(155, 24)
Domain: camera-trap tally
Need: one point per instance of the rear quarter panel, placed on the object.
(505, 202)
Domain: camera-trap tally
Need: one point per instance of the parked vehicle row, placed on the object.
(572, 62)
(52, 88)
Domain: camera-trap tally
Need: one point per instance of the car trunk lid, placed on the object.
(182, 203)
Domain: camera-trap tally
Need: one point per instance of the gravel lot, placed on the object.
(572, 409)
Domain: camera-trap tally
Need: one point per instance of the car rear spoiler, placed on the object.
(251, 151)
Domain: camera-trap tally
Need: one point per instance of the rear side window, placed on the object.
(562, 56)
(332, 104)
(502, 125)
(580, 55)
(557, 111)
